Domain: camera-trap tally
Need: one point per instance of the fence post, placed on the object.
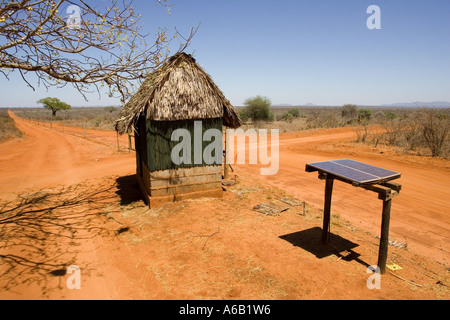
(118, 146)
(129, 142)
(226, 170)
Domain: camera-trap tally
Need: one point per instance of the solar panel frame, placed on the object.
(352, 171)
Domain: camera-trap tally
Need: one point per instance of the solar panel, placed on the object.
(353, 171)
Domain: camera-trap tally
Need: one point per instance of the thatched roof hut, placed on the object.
(178, 95)
(180, 89)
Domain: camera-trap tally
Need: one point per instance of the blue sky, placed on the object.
(299, 52)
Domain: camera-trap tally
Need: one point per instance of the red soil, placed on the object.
(221, 248)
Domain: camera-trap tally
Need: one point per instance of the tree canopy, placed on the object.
(82, 43)
(258, 108)
(54, 104)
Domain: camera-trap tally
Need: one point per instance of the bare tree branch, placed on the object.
(65, 42)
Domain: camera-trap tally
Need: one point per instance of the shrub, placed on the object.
(287, 116)
(364, 115)
(258, 108)
(110, 109)
(7, 126)
(243, 114)
(97, 121)
(435, 128)
(294, 112)
(349, 112)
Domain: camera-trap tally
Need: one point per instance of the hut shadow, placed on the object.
(310, 240)
(128, 190)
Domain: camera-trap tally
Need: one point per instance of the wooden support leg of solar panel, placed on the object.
(386, 192)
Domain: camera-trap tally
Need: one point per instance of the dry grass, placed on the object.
(7, 126)
(101, 118)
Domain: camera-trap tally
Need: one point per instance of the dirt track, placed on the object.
(47, 158)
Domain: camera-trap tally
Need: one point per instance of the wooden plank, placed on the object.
(182, 189)
(393, 185)
(177, 181)
(156, 201)
(184, 172)
(270, 208)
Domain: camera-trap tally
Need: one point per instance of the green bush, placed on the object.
(287, 116)
(97, 121)
(243, 114)
(364, 115)
(294, 112)
(258, 108)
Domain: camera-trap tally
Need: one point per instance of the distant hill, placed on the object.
(433, 104)
(417, 104)
(282, 105)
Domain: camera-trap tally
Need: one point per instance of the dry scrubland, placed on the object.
(7, 127)
(413, 131)
(101, 118)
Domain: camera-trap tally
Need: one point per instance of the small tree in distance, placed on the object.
(435, 127)
(54, 104)
(349, 112)
(258, 108)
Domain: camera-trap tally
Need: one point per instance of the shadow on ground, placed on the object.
(41, 233)
(128, 190)
(310, 240)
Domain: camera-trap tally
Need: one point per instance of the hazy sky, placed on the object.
(299, 52)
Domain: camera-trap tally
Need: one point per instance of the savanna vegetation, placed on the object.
(7, 127)
(421, 131)
(102, 118)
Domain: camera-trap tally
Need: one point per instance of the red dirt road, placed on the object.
(49, 158)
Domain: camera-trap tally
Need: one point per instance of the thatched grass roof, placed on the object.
(180, 89)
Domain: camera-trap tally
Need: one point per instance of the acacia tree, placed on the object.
(54, 104)
(72, 42)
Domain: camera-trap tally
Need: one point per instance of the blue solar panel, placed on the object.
(353, 171)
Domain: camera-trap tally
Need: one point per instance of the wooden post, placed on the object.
(384, 238)
(118, 146)
(226, 171)
(129, 142)
(327, 209)
(84, 128)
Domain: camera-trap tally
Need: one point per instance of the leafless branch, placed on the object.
(82, 44)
